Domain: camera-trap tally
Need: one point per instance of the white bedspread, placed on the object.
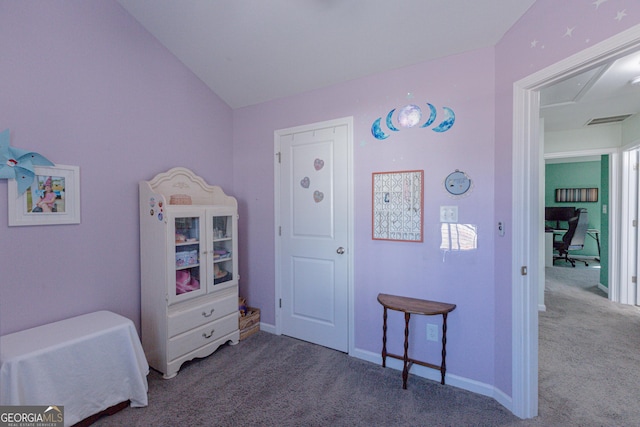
(87, 364)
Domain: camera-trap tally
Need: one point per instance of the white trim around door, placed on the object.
(525, 210)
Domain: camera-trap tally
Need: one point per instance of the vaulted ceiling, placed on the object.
(252, 51)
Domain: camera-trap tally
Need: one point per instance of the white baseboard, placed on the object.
(603, 288)
(432, 374)
(424, 372)
(267, 328)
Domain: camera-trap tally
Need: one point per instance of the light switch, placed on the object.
(448, 214)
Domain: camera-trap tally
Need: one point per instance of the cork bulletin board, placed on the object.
(398, 205)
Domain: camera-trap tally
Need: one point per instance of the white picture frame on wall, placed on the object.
(53, 197)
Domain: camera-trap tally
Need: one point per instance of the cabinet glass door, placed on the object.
(187, 257)
(223, 265)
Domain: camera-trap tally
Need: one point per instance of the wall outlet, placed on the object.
(432, 332)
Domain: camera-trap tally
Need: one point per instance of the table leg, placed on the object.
(384, 338)
(443, 367)
(405, 370)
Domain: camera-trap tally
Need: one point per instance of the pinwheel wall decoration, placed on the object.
(410, 116)
(18, 164)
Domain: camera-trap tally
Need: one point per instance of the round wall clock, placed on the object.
(457, 183)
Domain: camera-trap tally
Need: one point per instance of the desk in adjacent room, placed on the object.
(595, 234)
(86, 364)
(415, 306)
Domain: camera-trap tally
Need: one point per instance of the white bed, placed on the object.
(86, 364)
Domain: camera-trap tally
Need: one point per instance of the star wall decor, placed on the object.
(597, 3)
(18, 164)
(621, 14)
(604, 8)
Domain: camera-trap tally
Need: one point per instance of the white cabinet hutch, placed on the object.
(189, 269)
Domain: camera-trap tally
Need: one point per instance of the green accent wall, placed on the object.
(604, 221)
(577, 175)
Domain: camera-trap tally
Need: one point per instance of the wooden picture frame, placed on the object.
(34, 208)
(397, 205)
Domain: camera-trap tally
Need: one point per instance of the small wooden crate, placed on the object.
(249, 323)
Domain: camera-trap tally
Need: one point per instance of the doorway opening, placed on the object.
(630, 209)
(581, 168)
(526, 211)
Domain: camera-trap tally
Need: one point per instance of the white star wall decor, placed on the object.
(621, 14)
(597, 3)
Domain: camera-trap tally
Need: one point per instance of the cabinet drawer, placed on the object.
(203, 335)
(184, 320)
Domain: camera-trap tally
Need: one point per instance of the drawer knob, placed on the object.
(210, 313)
(204, 334)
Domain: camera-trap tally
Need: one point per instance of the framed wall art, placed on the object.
(52, 198)
(398, 205)
(576, 195)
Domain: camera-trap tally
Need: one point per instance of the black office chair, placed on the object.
(573, 239)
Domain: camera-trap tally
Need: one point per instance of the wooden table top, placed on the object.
(414, 305)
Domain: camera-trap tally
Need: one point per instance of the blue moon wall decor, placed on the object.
(376, 131)
(409, 116)
(390, 121)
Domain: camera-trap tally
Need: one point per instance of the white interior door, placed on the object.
(313, 233)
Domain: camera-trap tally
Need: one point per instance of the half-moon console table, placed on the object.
(413, 306)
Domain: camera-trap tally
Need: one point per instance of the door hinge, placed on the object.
(634, 223)
(634, 279)
(523, 270)
(279, 159)
(280, 303)
(279, 230)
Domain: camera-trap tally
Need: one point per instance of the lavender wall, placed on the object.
(549, 32)
(83, 84)
(479, 143)
(465, 84)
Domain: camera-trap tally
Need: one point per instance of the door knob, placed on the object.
(340, 250)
